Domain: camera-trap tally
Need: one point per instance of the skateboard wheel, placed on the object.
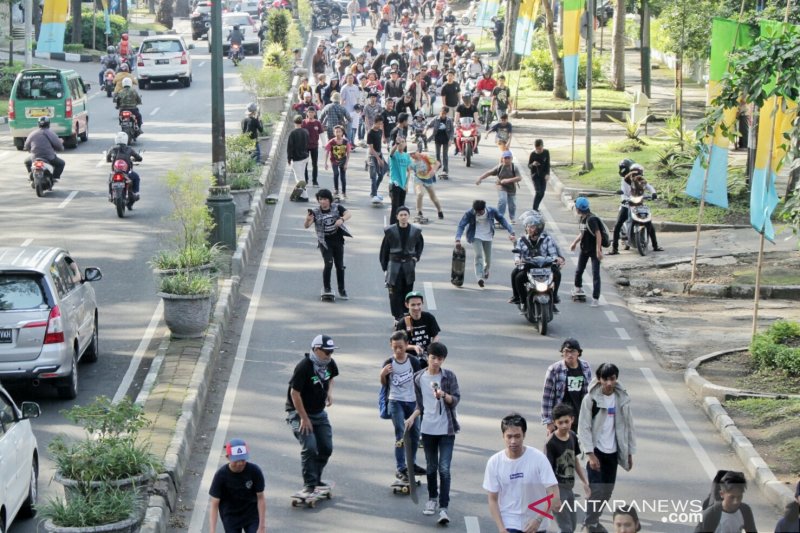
(294, 503)
(405, 490)
(312, 504)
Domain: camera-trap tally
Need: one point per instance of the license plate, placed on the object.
(643, 210)
(540, 272)
(118, 185)
(162, 61)
(38, 112)
(5, 335)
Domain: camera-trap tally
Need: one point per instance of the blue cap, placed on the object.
(582, 204)
(237, 450)
(508, 153)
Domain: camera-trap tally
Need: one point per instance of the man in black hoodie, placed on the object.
(297, 149)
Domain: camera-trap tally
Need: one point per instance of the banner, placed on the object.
(573, 9)
(726, 36)
(486, 11)
(523, 37)
(54, 21)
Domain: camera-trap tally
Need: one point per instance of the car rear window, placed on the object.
(40, 86)
(237, 20)
(21, 291)
(167, 45)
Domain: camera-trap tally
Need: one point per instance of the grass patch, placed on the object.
(769, 276)
(768, 411)
(148, 26)
(3, 107)
(532, 99)
(791, 450)
(484, 44)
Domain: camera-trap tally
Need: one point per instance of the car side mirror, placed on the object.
(92, 274)
(87, 87)
(30, 410)
(190, 46)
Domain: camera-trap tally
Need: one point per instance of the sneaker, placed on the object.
(343, 294)
(344, 196)
(430, 507)
(481, 283)
(307, 492)
(513, 300)
(376, 199)
(486, 274)
(579, 291)
(658, 249)
(614, 251)
(419, 471)
(380, 197)
(443, 518)
(595, 302)
(441, 215)
(402, 476)
(556, 299)
(327, 290)
(555, 309)
(315, 185)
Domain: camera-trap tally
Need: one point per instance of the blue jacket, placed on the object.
(468, 221)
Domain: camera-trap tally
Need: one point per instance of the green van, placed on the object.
(49, 92)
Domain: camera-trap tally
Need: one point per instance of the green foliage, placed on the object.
(186, 258)
(659, 37)
(238, 153)
(686, 27)
(276, 56)
(243, 182)
(7, 76)
(278, 22)
(103, 419)
(187, 284)
(265, 82)
(790, 212)
(73, 48)
(633, 30)
(304, 11)
(776, 347)
(294, 38)
(187, 188)
(632, 128)
(165, 12)
(539, 67)
(104, 506)
(118, 26)
(766, 411)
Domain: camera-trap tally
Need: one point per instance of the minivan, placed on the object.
(54, 93)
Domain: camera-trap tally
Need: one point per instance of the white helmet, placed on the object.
(127, 82)
(121, 138)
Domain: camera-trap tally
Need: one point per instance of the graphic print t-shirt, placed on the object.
(402, 381)
(562, 455)
(423, 330)
(501, 93)
(313, 387)
(573, 394)
(338, 151)
(329, 220)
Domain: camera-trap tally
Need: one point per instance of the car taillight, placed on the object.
(68, 108)
(139, 61)
(55, 329)
(184, 59)
(118, 177)
(11, 114)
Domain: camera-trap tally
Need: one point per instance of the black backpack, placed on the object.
(605, 241)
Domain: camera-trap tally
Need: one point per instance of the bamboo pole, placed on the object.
(573, 133)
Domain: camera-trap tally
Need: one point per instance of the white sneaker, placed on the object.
(430, 507)
(443, 518)
(376, 199)
(595, 302)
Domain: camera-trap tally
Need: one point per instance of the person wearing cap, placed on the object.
(535, 243)
(304, 104)
(401, 249)
(479, 224)
(314, 129)
(310, 392)
(297, 150)
(237, 493)
(566, 381)
(590, 239)
(252, 127)
(507, 176)
(437, 396)
(420, 326)
(334, 114)
(333, 88)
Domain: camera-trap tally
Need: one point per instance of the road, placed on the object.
(498, 357)
(77, 216)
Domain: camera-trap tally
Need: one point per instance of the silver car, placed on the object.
(48, 317)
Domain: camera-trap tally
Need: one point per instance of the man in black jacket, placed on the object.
(539, 163)
(297, 149)
(401, 249)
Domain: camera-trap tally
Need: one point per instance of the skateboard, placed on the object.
(421, 220)
(271, 199)
(457, 270)
(402, 487)
(322, 493)
(444, 176)
(578, 296)
(327, 296)
(298, 191)
(408, 448)
(377, 203)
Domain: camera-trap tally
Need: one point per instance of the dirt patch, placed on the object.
(737, 370)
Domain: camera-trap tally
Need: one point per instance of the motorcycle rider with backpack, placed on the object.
(121, 150)
(109, 61)
(632, 184)
(129, 99)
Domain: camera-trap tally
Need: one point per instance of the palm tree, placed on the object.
(618, 48)
(559, 87)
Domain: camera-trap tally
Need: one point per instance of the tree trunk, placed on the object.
(75, 7)
(559, 86)
(618, 48)
(123, 8)
(508, 60)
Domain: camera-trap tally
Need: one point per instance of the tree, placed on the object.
(618, 48)
(165, 12)
(77, 30)
(559, 86)
(508, 60)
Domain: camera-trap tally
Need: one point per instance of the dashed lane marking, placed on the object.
(154, 111)
(635, 353)
(472, 524)
(26, 242)
(623, 334)
(174, 92)
(612, 317)
(201, 63)
(430, 301)
(68, 199)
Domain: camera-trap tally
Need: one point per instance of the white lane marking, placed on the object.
(623, 334)
(635, 353)
(472, 524)
(154, 111)
(680, 423)
(3, 155)
(174, 92)
(201, 499)
(430, 301)
(127, 379)
(150, 380)
(68, 199)
(26, 242)
(201, 63)
(612, 317)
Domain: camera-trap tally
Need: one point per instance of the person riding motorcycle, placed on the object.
(487, 82)
(535, 243)
(236, 37)
(129, 99)
(43, 144)
(449, 18)
(123, 74)
(632, 184)
(122, 151)
(466, 110)
(109, 61)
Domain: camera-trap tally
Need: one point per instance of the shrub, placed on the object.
(276, 56)
(74, 48)
(266, 81)
(294, 39)
(187, 284)
(539, 67)
(7, 76)
(118, 26)
(278, 22)
(772, 348)
(304, 11)
(95, 508)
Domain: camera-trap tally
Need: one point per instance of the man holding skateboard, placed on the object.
(401, 249)
(237, 493)
(479, 223)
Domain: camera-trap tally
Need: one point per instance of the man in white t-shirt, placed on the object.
(520, 481)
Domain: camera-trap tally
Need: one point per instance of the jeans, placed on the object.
(540, 184)
(505, 199)
(483, 257)
(333, 255)
(57, 162)
(316, 447)
(441, 154)
(352, 130)
(361, 132)
(352, 23)
(299, 169)
(339, 173)
(376, 173)
(438, 455)
(565, 517)
(257, 153)
(602, 484)
(582, 260)
(399, 411)
(313, 153)
(398, 195)
(383, 39)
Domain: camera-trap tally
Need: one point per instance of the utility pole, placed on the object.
(590, 7)
(28, 32)
(220, 201)
(645, 49)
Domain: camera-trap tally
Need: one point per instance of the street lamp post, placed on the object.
(591, 9)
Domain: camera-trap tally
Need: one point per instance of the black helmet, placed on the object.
(625, 167)
(44, 122)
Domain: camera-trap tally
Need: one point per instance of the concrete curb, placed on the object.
(164, 492)
(64, 56)
(598, 115)
(784, 292)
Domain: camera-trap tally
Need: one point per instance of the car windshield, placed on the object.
(236, 20)
(203, 8)
(21, 291)
(40, 86)
(167, 45)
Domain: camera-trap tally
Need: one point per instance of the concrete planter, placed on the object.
(187, 316)
(137, 484)
(242, 200)
(129, 525)
(271, 104)
(265, 144)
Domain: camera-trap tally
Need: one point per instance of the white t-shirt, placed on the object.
(402, 381)
(606, 441)
(483, 230)
(730, 522)
(519, 483)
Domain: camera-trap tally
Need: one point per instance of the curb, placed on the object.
(163, 493)
(598, 115)
(783, 292)
(64, 56)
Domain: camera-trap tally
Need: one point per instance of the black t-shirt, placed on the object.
(427, 43)
(238, 494)
(563, 456)
(450, 92)
(466, 112)
(398, 131)
(589, 226)
(329, 220)
(501, 94)
(313, 389)
(543, 169)
(574, 392)
(438, 33)
(423, 331)
(441, 134)
(389, 121)
(375, 139)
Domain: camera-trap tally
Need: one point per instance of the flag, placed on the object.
(54, 19)
(523, 37)
(726, 36)
(486, 11)
(572, 22)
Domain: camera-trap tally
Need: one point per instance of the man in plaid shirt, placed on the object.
(334, 114)
(565, 381)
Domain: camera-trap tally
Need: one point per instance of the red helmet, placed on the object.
(120, 165)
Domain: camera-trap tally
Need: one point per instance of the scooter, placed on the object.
(466, 138)
(129, 125)
(41, 176)
(634, 229)
(471, 15)
(538, 299)
(122, 195)
(485, 108)
(108, 82)
(236, 54)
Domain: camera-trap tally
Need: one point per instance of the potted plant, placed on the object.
(268, 84)
(243, 189)
(188, 298)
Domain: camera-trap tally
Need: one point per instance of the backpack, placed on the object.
(383, 403)
(605, 241)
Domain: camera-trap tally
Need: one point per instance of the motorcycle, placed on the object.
(471, 15)
(41, 176)
(122, 195)
(485, 108)
(419, 138)
(108, 82)
(235, 54)
(129, 125)
(634, 229)
(538, 306)
(470, 81)
(325, 13)
(466, 138)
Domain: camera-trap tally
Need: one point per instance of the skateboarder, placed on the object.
(310, 392)
(297, 150)
(479, 223)
(425, 168)
(237, 493)
(590, 238)
(507, 176)
(400, 250)
(328, 219)
(376, 164)
(420, 326)
(539, 163)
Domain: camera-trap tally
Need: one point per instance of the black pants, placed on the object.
(602, 484)
(520, 275)
(58, 166)
(582, 260)
(397, 296)
(333, 255)
(252, 527)
(398, 195)
(441, 154)
(314, 154)
(540, 184)
(622, 217)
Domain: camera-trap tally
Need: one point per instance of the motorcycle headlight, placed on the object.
(541, 286)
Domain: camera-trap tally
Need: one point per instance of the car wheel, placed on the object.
(187, 81)
(71, 141)
(85, 135)
(28, 508)
(2, 524)
(93, 350)
(70, 390)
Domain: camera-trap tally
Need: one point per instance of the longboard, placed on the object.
(298, 191)
(578, 297)
(322, 494)
(408, 448)
(458, 265)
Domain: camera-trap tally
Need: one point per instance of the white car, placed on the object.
(19, 461)
(163, 58)
(248, 27)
